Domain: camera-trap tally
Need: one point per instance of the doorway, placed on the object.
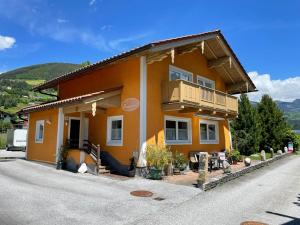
(74, 131)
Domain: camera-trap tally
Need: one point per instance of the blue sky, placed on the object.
(264, 34)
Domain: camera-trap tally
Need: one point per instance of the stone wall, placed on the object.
(236, 174)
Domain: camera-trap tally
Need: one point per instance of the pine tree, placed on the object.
(246, 128)
(274, 126)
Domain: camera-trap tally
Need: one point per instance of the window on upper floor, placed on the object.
(205, 82)
(176, 73)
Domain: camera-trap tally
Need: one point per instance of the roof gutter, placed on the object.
(45, 93)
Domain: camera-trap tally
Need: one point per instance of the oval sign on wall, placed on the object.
(130, 104)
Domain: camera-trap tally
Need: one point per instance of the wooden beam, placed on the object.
(172, 107)
(218, 62)
(159, 56)
(236, 86)
(81, 108)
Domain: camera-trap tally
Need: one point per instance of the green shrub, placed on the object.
(235, 155)
(2, 141)
(180, 161)
(158, 156)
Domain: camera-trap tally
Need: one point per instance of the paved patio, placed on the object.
(189, 178)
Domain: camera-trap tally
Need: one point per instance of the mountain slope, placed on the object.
(291, 112)
(16, 85)
(45, 71)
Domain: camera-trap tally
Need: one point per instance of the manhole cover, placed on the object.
(159, 199)
(253, 223)
(141, 193)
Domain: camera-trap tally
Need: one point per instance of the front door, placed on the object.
(74, 133)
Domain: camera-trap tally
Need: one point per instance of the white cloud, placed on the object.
(6, 42)
(283, 90)
(92, 2)
(37, 18)
(119, 43)
(59, 20)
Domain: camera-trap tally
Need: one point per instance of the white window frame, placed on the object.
(37, 126)
(174, 68)
(178, 119)
(110, 142)
(207, 81)
(209, 122)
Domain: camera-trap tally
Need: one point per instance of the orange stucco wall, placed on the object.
(124, 74)
(127, 74)
(159, 71)
(45, 151)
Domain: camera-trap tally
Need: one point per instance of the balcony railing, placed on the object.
(180, 91)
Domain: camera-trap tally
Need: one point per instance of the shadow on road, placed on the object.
(294, 221)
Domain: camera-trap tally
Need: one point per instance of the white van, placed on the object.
(16, 140)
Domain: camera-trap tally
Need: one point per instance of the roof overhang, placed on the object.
(212, 45)
(83, 103)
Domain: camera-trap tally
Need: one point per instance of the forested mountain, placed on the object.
(16, 85)
(45, 71)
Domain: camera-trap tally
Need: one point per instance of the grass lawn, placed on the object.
(34, 82)
(13, 110)
(2, 140)
(257, 156)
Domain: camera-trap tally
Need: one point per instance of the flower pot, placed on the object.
(234, 162)
(155, 174)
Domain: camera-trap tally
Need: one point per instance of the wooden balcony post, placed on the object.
(214, 98)
(180, 91)
(98, 158)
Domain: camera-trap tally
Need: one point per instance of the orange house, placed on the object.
(177, 91)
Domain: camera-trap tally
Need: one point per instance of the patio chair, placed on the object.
(221, 158)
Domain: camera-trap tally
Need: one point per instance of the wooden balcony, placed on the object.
(190, 97)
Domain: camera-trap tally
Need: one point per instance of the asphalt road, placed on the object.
(32, 193)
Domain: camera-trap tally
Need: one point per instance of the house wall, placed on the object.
(46, 151)
(126, 74)
(157, 73)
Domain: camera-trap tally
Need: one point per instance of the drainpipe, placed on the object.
(143, 112)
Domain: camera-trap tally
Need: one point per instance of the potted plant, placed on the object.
(234, 155)
(62, 158)
(157, 158)
(180, 162)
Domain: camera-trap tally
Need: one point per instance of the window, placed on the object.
(115, 131)
(179, 74)
(202, 81)
(209, 132)
(39, 131)
(177, 130)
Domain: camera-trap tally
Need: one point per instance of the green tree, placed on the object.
(86, 63)
(274, 126)
(246, 128)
